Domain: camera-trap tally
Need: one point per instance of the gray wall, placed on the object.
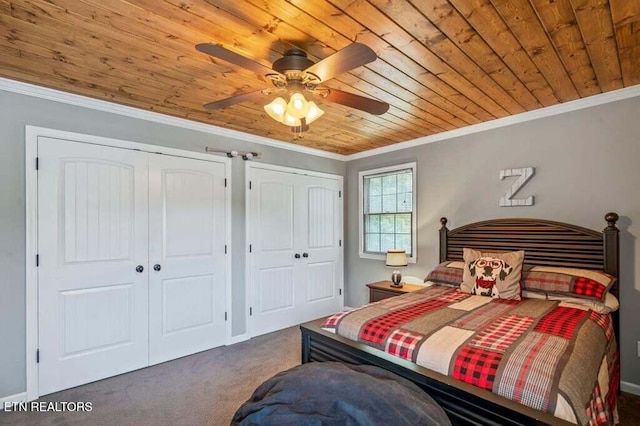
(587, 164)
(16, 111)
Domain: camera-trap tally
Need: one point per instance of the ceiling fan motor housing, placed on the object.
(292, 60)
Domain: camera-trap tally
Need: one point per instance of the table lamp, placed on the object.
(396, 259)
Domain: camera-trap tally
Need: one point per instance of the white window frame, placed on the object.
(367, 173)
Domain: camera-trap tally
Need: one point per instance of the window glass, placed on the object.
(388, 211)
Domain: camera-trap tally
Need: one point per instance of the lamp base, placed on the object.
(396, 279)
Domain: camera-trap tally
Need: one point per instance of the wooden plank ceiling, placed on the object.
(442, 64)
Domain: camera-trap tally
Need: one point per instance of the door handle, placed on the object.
(139, 269)
(157, 267)
(297, 255)
(305, 254)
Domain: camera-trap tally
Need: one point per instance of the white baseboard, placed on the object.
(346, 308)
(19, 397)
(239, 338)
(630, 388)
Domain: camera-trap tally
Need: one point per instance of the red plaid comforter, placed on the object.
(553, 356)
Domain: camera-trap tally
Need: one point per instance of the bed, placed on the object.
(547, 244)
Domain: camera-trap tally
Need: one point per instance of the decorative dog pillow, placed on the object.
(494, 275)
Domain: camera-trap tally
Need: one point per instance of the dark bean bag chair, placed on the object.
(331, 393)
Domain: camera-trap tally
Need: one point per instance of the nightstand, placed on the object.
(383, 290)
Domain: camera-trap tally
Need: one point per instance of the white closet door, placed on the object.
(275, 270)
(320, 236)
(187, 274)
(92, 230)
(294, 230)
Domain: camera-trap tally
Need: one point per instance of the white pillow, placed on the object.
(412, 280)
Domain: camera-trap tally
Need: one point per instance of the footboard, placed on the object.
(463, 403)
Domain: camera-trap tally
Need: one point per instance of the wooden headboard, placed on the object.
(546, 243)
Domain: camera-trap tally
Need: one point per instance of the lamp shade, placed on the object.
(297, 114)
(276, 109)
(314, 112)
(396, 258)
(290, 120)
(298, 106)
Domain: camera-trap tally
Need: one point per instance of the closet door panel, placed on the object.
(186, 256)
(294, 231)
(320, 241)
(275, 271)
(92, 239)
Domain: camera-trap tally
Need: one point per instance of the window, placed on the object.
(387, 207)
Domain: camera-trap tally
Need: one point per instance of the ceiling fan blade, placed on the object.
(216, 50)
(356, 101)
(223, 103)
(353, 56)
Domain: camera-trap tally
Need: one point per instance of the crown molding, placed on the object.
(105, 106)
(591, 101)
(28, 89)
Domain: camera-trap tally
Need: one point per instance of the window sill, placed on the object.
(382, 257)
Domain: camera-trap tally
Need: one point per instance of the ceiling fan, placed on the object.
(293, 75)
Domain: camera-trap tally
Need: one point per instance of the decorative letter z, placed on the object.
(507, 199)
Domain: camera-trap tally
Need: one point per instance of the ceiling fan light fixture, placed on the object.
(295, 73)
(298, 105)
(314, 113)
(290, 120)
(276, 109)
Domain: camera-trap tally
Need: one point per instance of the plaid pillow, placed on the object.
(495, 275)
(447, 273)
(575, 282)
(610, 304)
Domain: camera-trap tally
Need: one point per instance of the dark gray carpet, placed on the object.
(201, 389)
(629, 409)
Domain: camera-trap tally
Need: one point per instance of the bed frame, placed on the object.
(546, 243)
